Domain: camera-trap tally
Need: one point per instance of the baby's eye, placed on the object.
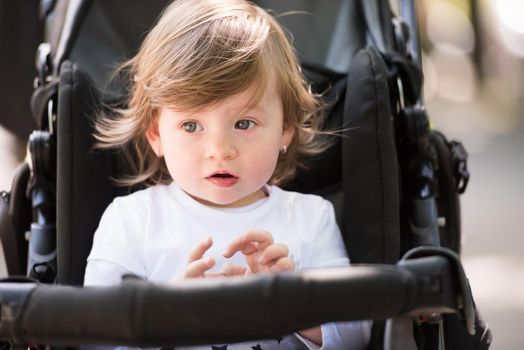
(191, 126)
(244, 124)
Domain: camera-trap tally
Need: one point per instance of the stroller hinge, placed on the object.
(42, 187)
(43, 65)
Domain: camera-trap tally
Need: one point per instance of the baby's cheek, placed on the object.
(264, 166)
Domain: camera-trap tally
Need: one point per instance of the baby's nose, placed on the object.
(221, 147)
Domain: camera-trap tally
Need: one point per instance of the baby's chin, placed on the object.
(235, 202)
(215, 202)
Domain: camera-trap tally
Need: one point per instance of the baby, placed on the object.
(218, 116)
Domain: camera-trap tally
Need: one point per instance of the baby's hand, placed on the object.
(197, 264)
(262, 254)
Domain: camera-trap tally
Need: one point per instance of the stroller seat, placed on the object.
(368, 173)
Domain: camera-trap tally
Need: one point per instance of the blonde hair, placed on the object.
(200, 52)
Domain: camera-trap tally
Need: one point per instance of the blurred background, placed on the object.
(474, 85)
(474, 81)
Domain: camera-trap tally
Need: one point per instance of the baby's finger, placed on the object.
(233, 270)
(246, 248)
(263, 238)
(227, 271)
(213, 274)
(198, 267)
(273, 252)
(250, 248)
(198, 252)
(283, 265)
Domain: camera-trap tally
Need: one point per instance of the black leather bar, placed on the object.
(204, 311)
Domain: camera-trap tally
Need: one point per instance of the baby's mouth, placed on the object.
(224, 176)
(223, 179)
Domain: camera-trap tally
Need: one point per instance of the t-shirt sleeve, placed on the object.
(352, 335)
(325, 248)
(103, 273)
(117, 244)
(329, 251)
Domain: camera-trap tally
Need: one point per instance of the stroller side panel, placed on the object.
(84, 188)
(370, 165)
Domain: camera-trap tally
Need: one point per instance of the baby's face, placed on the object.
(223, 155)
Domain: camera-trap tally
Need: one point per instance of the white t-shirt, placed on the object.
(151, 233)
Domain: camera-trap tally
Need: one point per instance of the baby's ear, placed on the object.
(287, 134)
(153, 137)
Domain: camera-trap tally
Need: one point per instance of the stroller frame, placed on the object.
(428, 280)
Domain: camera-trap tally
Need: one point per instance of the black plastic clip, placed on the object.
(460, 165)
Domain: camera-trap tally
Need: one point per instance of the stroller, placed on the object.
(393, 181)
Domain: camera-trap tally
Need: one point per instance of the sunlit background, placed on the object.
(474, 69)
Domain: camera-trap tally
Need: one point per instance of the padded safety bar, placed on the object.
(203, 311)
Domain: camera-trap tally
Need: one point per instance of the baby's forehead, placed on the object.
(230, 105)
(254, 99)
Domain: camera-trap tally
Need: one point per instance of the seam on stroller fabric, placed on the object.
(70, 166)
(75, 93)
(70, 69)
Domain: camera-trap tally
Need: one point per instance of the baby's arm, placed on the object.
(103, 273)
(117, 244)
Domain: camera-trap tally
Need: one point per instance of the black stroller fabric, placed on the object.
(84, 187)
(370, 165)
(21, 30)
